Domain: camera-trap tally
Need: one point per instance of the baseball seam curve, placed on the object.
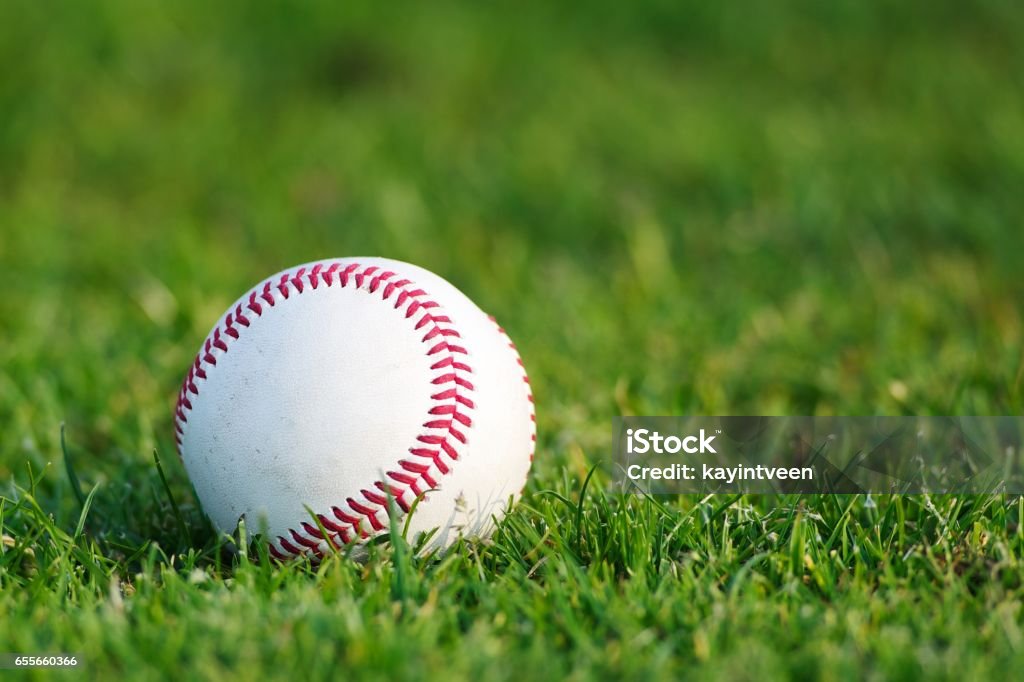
(526, 382)
(447, 421)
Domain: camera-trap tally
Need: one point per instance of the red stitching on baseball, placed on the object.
(254, 304)
(453, 393)
(412, 479)
(341, 531)
(367, 511)
(312, 530)
(329, 275)
(422, 470)
(287, 546)
(529, 389)
(346, 272)
(433, 455)
(299, 538)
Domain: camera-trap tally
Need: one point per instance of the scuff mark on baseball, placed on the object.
(339, 385)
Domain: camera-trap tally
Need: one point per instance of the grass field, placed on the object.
(759, 208)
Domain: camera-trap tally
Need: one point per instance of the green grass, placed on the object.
(812, 208)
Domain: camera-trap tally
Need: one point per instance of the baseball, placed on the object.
(333, 387)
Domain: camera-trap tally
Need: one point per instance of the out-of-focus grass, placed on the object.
(800, 209)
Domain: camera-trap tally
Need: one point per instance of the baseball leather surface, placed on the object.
(335, 385)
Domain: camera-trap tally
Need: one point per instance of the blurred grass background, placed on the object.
(718, 210)
(773, 208)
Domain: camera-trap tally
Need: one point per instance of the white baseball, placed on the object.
(335, 385)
